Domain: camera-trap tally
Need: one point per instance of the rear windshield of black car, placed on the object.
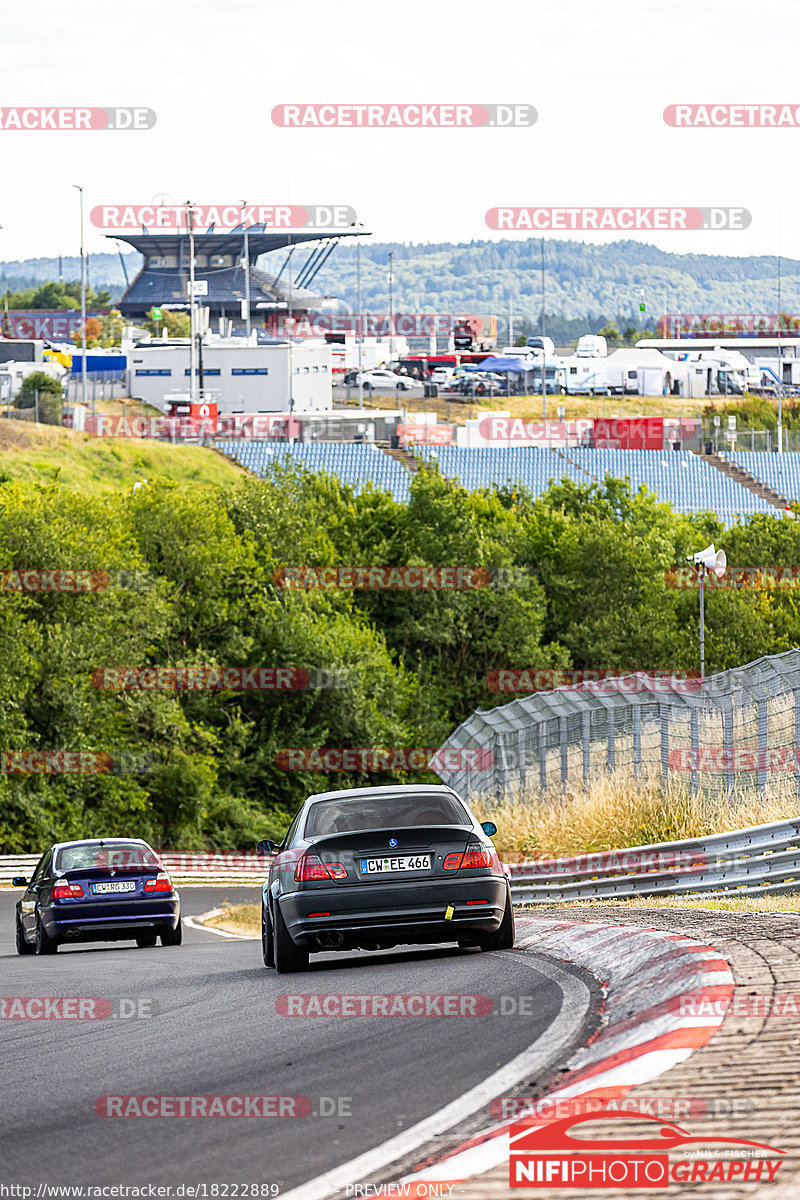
(117, 856)
(383, 812)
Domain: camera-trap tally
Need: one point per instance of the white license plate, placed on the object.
(125, 885)
(400, 862)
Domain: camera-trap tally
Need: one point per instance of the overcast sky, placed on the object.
(600, 76)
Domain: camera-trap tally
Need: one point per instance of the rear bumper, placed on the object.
(397, 913)
(89, 923)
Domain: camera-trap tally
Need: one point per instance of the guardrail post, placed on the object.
(694, 748)
(586, 733)
(637, 741)
(611, 716)
(664, 713)
(542, 756)
(727, 749)
(763, 749)
(562, 742)
(521, 751)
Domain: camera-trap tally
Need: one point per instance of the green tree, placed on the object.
(174, 324)
(50, 396)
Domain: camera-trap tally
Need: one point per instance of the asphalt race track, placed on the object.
(213, 1029)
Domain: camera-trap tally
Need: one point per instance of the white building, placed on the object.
(241, 377)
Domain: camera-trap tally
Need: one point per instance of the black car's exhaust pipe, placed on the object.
(330, 939)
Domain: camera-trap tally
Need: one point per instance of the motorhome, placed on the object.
(592, 345)
(584, 376)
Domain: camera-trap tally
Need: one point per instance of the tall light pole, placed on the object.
(359, 323)
(192, 323)
(391, 302)
(714, 562)
(79, 190)
(246, 274)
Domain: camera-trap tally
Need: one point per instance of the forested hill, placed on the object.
(587, 283)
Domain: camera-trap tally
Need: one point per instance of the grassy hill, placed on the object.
(40, 453)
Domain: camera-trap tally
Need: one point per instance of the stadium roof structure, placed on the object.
(260, 240)
(166, 286)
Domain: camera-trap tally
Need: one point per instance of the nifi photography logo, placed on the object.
(553, 1156)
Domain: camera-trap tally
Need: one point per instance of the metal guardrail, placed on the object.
(185, 866)
(759, 860)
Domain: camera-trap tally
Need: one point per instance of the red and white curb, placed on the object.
(651, 977)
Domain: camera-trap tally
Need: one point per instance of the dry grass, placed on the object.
(615, 812)
(529, 408)
(33, 453)
(238, 918)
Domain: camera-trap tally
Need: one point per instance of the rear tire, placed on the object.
(267, 940)
(173, 937)
(146, 941)
(44, 943)
(288, 957)
(23, 947)
(502, 938)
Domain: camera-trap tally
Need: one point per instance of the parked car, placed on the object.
(383, 380)
(478, 384)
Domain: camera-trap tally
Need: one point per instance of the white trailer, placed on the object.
(773, 371)
(584, 376)
(721, 372)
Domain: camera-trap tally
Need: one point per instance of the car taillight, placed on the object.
(473, 857)
(161, 883)
(64, 890)
(476, 856)
(309, 869)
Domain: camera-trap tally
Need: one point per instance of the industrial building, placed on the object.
(240, 377)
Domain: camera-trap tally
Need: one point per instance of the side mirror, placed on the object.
(267, 847)
(489, 828)
(19, 881)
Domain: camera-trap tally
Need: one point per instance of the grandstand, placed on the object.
(686, 481)
(354, 463)
(678, 477)
(778, 471)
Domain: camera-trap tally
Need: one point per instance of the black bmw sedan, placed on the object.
(105, 889)
(373, 868)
